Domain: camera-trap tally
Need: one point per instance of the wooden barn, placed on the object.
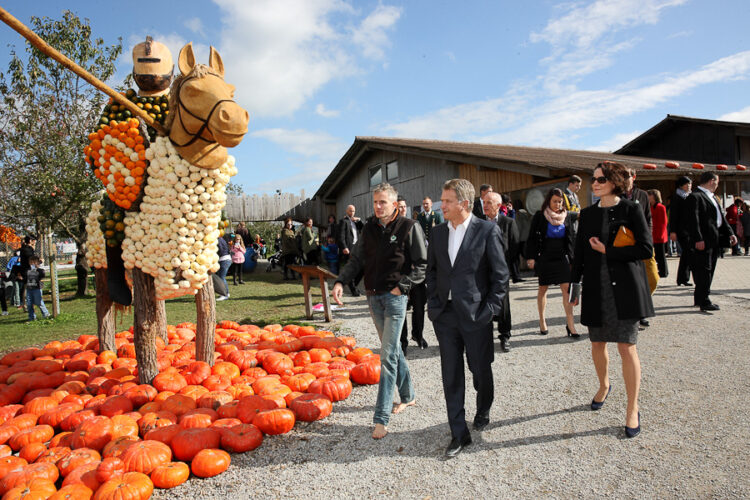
(419, 167)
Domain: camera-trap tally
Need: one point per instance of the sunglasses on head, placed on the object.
(600, 180)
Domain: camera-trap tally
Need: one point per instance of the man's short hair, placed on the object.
(401, 198)
(426, 198)
(707, 177)
(386, 188)
(27, 239)
(484, 187)
(574, 179)
(681, 181)
(464, 189)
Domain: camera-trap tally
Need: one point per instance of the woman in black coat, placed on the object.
(549, 251)
(615, 293)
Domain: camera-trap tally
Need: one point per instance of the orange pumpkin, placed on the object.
(170, 474)
(210, 462)
(131, 485)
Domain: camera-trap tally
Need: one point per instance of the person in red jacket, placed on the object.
(733, 217)
(659, 230)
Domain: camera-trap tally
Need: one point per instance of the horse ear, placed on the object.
(215, 62)
(186, 61)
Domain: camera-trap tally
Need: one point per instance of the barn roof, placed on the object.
(541, 162)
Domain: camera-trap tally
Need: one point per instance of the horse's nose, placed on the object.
(233, 115)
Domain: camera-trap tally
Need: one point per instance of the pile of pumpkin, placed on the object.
(75, 418)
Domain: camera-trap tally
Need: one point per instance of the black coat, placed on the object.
(640, 198)
(510, 235)
(625, 266)
(478, 209)
(700, 220)
(345, 237)
(677, 216)
(538, 234)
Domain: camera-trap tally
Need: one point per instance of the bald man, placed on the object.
(350, 228)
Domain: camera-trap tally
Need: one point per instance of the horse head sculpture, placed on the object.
(205, 120)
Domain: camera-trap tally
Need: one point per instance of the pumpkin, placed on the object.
(24, 474)
(741, 167)
(72, 421)
(722, 167)
(300, 382)
(72, 492)
(40, 406)
(335, 388)
(32, 451)
(649, 166)
(671, 164)
(37, 488)
(85, 475)
(357, 354)
(179, 404)
(210, 462)
(249, 406)
(367, 373)
(140, 394)
(93, 433)
(117, 446)
(214, 400)
(55, 416)
(273, 422)
(188, 442)
(164, 434)
(77, 458)
(131, 485)
(170, 474)
(109, 468)
(242, 359)
(698, 166)
(145, 456)
(241, 438)
(37, 434)
(8, 464)
(151, 421)
(225, 423)
(277, 362)
(169, 381)
(196, 372)
(53, 454)
(311, 407)
(124, 426)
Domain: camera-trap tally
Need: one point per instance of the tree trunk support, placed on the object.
(205, 305)
(105, 314)
(148, 322)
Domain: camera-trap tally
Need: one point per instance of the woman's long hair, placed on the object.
(547, 199)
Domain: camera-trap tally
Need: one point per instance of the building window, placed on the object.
(376, 175)
(391, 170)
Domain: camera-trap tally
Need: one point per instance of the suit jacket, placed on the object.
(677, 208)
(478, 209)
(477, 280)
(345, 237)
(640, 197)
(509, 230)
(428, 221)
(700, 222)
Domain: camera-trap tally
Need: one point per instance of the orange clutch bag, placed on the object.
(624, 238)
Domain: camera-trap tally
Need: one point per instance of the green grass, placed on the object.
(263, 299)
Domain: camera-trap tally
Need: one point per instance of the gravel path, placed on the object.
(542, 440)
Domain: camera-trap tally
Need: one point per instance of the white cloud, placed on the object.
(616, 142)
(280, 53)
(372, 34)
(304, 142)
(742, 115)
(196, 26)
(321, 110)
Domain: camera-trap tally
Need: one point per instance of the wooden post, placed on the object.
(50, 51)
(147, 324)
(307, 272)
(105, 316)
(205, 305)
(308, 295)
(324, 294)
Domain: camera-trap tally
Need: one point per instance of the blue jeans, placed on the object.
(34, 298)
(223, 269)
(388, 312)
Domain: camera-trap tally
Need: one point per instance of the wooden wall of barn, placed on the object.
(418, 176)
(696, 142)
(502, 181)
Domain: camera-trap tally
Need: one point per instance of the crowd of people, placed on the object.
(25, 275)
(458, 262)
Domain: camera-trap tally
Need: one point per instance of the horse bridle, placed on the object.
(199, 134)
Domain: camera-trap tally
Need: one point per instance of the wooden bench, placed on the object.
(322, 274)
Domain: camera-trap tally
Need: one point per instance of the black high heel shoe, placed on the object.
(543, 332)
(597, 405)
(631, 432)
(572, 334)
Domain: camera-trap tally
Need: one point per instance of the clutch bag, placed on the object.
(624, 238)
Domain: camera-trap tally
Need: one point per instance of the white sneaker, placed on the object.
(5, 313)
(222, 297)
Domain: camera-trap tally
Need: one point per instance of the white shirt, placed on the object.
(354, 230)
(455, 238)
(716, 205)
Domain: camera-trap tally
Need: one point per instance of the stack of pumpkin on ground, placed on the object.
(75, 418)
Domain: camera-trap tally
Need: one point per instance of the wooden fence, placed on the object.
(256, 208)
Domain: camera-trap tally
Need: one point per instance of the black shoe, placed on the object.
(480, 423)
(686, 283)
(404, 347)
(710, 307)
(504, 345)
(572, 334)
(457, 444)
(631, 432)
(597, 405)
(543, 332)
(422, 343)
(518, 280)
(644, 323)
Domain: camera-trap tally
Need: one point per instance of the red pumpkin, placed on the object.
(210, 462)
(93, 433)
(741, 167)
(671, 164)
(722, 167)
(188, 442)
(131, 485)
(250, 406)
(145, 456)
(241, 438)
(35, 488)
(164, 434)
(109, 468)
(273, 422)
(78, 458)
(170, 474)
(367, 373)
(336, 388)
(277, 362)
(698, 166)
(311, 407)
(649, 166)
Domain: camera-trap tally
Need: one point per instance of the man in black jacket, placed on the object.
(467, 280)
(349, 230)
(478, 209)
(508, 227)
(677, 229)
(708, 231)
(392, 254)
(27, 251)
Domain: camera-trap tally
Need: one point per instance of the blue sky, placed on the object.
(316, 73)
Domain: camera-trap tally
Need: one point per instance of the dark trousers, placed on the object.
(661, 259)
(703, 264)
(288, 260)
(312, 258)
(3, 302)
(513, 268)
(418, 299)
(454, 336)
(236, 273)
(504, 320)
(683, 269)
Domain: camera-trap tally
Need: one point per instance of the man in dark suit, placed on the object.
(709, 231)
(678, 231)
(478, 209)
(467, 280)
(509, 230)
(428, 218)
(350, 228)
